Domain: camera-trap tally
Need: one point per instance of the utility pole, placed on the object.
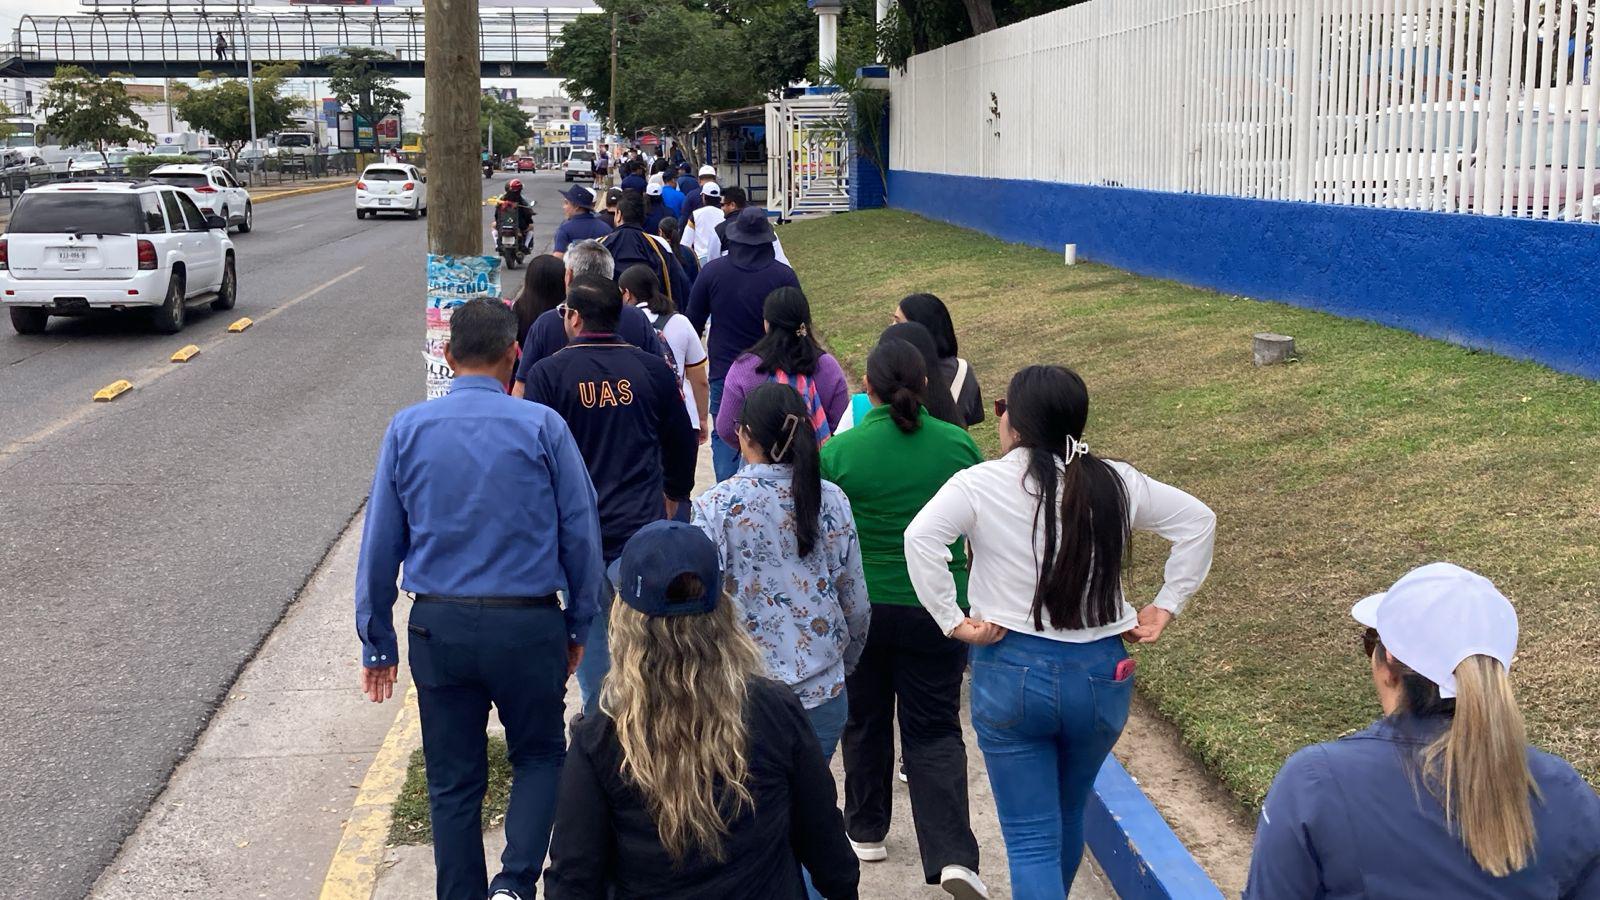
(250, 87)
(452, 74)
(616, 126)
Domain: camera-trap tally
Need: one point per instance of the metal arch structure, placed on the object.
(179, 43)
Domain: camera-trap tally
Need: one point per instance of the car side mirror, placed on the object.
(424, 179)
(216, 223)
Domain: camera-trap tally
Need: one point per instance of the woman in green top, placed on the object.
(889, 465)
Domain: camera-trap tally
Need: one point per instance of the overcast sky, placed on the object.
(11, 11)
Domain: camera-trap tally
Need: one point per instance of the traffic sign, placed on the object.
(579, 133)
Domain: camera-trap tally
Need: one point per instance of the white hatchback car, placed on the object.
(76, 247)
(391, 187)
(213, 189)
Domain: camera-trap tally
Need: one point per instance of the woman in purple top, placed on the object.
(790, 354)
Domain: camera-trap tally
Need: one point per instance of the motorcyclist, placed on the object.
(513, 195)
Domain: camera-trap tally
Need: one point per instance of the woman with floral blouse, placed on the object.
(790, 557)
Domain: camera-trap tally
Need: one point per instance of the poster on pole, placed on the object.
(452, 281)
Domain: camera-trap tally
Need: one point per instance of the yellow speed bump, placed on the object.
(186, 354)
(113, 390)
(241, 325)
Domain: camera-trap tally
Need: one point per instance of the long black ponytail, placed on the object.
(1080, 571)
(899, 378)
(936, 395)
(776, 419)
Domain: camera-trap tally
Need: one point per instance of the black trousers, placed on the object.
(909, 666)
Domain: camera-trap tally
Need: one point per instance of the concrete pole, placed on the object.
(827, 36)
(1303, 106)
(455, 188)
(883, 10)
(250, 81)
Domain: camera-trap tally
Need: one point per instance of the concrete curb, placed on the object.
(1134, 845)
(300, 192)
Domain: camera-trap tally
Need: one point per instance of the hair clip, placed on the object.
(802, 331)
(1075, 448)
(791, 427)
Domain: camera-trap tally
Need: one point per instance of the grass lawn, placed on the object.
(409, 823)
(1377, 451)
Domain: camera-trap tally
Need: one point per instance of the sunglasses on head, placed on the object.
(1369, 641)
(1000, 407)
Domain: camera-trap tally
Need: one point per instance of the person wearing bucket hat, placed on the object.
(734, 200)
(581, 224)
(697, 777)
(734, 289)
(1443, 796)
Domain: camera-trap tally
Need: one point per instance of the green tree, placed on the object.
(361, 87)
(6, 128)
(511, 126)
(675, 61)
(81, 108)
(221, 106)
(917, 26)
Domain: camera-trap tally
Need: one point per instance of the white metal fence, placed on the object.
(1477, 106)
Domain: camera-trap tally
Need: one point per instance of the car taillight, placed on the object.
(408, 186)
(205, 189)
(361, 185)
(147, 255)
(5, 258)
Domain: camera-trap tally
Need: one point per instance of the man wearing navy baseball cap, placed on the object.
(581, 224)
(726, 792)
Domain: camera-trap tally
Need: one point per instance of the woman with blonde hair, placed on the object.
(1443, 797)
(698, 778)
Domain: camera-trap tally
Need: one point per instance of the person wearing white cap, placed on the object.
(701, 229)
(1443, 796)
(655, 207)
(692, 199)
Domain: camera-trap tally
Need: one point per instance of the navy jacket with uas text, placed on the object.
(626, 413)
(1352, 818)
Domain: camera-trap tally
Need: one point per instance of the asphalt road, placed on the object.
(148, 546)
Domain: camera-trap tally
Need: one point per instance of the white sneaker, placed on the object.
(504, 894)
(870, 851)
(962, 883)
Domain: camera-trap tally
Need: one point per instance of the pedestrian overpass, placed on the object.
(175, 42)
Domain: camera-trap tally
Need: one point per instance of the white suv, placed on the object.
(213, 189)
(72, 248)
(391, 187)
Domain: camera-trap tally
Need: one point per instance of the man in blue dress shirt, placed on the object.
(487, 502)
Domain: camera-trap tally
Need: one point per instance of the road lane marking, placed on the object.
(151, 374)
(113, 390)
(240, 325)
(293, 227)
(353, 872)
(186, 354)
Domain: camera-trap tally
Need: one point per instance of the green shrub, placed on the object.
(142, 164)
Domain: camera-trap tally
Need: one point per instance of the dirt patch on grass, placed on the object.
(1378, 451)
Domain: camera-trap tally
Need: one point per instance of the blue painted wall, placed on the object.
(1517, 287)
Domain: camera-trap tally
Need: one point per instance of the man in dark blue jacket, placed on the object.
(627, 415)
(548, 333)
(733, 289)
(632, 245)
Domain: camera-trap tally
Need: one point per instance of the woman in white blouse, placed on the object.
(1051, 681)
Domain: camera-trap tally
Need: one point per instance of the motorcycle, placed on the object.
(488, 170)
(509, 240)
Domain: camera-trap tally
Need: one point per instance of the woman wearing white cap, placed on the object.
(1443, 797)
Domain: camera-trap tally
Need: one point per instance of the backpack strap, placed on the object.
(958, 383)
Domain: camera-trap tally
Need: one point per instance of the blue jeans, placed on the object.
(724, 459)
(1046, 713)
(596, 660)
(466, 656)
(827, 721)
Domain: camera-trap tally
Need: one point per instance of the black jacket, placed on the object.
(626, 412)
(606, 844)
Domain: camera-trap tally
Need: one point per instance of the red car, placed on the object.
(526, 164)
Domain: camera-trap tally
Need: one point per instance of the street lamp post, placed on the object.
(827, 31)
(250, 87)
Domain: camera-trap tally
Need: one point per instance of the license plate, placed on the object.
(72, 256)
(383, 202)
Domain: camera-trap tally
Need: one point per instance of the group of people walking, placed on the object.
(854, 559)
